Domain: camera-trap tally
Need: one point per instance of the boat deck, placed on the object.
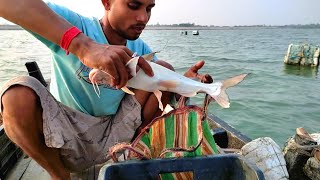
(28, 169)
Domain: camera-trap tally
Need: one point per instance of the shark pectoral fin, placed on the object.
(167, 109)
(222, 99)
(158, 94)
(127, 90)
(132, 65)
(168, 84)
(233, 81)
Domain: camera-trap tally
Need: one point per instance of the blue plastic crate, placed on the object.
(226, 166)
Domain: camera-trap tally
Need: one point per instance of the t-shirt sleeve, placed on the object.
(72, 17)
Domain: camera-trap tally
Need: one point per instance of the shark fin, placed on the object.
(150, 56)
(132, 65)
(233, 81)
(167, 109)
(168, 84)
(220, 94)
(127, 90)
(158, 94)
(222, 99)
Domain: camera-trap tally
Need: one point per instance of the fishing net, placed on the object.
(183, 132)
(306, 55)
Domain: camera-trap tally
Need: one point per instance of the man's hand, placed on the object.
(112, 59)
(193, 73)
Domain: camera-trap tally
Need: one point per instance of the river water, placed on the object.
(273, 101)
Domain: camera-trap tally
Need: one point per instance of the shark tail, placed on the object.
(222, 98)
(233, 81)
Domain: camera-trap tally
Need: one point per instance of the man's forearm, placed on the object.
(37, 17)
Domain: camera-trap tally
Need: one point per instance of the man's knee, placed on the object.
(165, 64)
(19, 98)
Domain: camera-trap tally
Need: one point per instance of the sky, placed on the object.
(217, 12)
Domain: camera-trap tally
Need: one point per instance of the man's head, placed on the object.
(127, 18)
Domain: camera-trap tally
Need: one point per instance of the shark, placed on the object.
(167, 80)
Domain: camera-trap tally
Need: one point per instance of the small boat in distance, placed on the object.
(195, 32)
(184, 32)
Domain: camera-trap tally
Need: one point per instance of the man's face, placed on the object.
(128, 18)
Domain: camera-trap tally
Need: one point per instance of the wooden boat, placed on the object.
(195, 32)
(16, 165)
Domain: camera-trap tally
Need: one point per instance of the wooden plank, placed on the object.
(35, 171)
(1, 128)
(9, 162)
(5, 151)
(27, 169)
(19, 169)
(236, 138)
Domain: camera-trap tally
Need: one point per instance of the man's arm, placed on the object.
(37, 17)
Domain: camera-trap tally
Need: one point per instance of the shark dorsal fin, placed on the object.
(150, 56)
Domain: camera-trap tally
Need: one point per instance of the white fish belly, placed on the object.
(183, 85)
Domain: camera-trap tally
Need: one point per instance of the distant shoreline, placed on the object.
(168, 27)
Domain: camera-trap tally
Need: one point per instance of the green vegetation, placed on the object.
(194, 25)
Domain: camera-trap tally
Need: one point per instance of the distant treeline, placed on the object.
(208, 26)
(192, 26)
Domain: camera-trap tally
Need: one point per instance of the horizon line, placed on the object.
(196, 25)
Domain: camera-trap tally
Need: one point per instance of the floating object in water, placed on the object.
(184, 32)
(195, 32)
(266, 154)
(304, 55)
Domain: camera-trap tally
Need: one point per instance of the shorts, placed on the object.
(84, 140)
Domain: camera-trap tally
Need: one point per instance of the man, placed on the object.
(76, 133)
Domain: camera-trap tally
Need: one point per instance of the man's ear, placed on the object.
(106, 4)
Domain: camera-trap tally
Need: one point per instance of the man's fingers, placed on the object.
(207, 78)
(145, 66)
(197, 66)
(112, 71)
(123, 75)
(128, 52)
(204, 78)
(125, 55)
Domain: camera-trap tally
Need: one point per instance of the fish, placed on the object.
(99, 77)
(167, 80)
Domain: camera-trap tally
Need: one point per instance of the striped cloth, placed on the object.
(180, 133)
